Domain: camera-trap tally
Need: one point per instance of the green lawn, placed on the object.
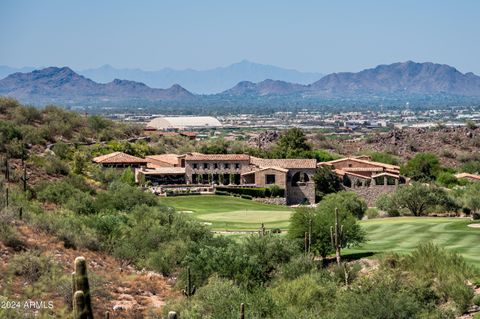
(402, 234)
(231, 213)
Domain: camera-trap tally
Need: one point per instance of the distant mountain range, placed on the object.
(202, 82)
(64, 86)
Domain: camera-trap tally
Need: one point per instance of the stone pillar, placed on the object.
(385, 180)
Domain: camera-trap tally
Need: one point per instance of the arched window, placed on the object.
(299, 177)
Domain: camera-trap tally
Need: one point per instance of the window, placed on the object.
(215, 165)
(205, 165)
(226, 166)
(237, 165)
(195, 165)
(270, 179)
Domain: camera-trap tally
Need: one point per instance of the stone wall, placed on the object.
(372, 193)
(297, 194)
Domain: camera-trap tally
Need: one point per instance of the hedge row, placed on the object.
(258, 192)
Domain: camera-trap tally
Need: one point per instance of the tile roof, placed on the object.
(388, 166)
(217, 157)
(119, 158)
(363, 169)
(284, 163)
(166, 158)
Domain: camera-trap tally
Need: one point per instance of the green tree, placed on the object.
(326, 181)
(292, 143)
(422, 167)
(317, 222)
(471, 197)
(418, 198)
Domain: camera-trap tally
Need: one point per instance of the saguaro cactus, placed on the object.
(242, 311)
(7, 170)
(189, 288)
(336, 235)
(79, 309)
(25, 178)
(262, 232)
(82, 309)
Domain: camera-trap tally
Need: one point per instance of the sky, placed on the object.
(316, 36)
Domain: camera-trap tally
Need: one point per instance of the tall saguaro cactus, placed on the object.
(82, 304)
(336, 235)
(7, 170)
(25, 178)
(189, 288)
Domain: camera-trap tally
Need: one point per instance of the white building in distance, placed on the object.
(184, 123)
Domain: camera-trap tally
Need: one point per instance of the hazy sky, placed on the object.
(320, 36)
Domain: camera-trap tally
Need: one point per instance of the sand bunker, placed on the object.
(474, 225)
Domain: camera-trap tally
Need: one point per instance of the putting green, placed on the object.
(403, 234)
(228, 213)
(247, 216)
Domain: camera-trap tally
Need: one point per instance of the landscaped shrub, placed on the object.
(372, 213)
(224, 193)
(246, 196)
(258, 192)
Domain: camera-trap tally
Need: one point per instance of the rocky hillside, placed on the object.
(122, 290)
(453, 146)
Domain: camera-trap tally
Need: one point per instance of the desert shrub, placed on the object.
(383, 295)
(55, 166)
(221, 298)
(9, 236)
(168, 257)
(447, 269)
(472, 167)
(476, 300)
(31, 265)
(298, 266)
(383, 157)
(346, 273)
(62, 150)
(121, 196)
(306, 296)
(372, 213)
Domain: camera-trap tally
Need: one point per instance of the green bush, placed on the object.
(257, 192)
(372, 213)
(246, 196)
(31, 265)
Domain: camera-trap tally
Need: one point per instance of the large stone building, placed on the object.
(295, 176)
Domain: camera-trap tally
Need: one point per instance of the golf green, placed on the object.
(228, 213)
(403, 234)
